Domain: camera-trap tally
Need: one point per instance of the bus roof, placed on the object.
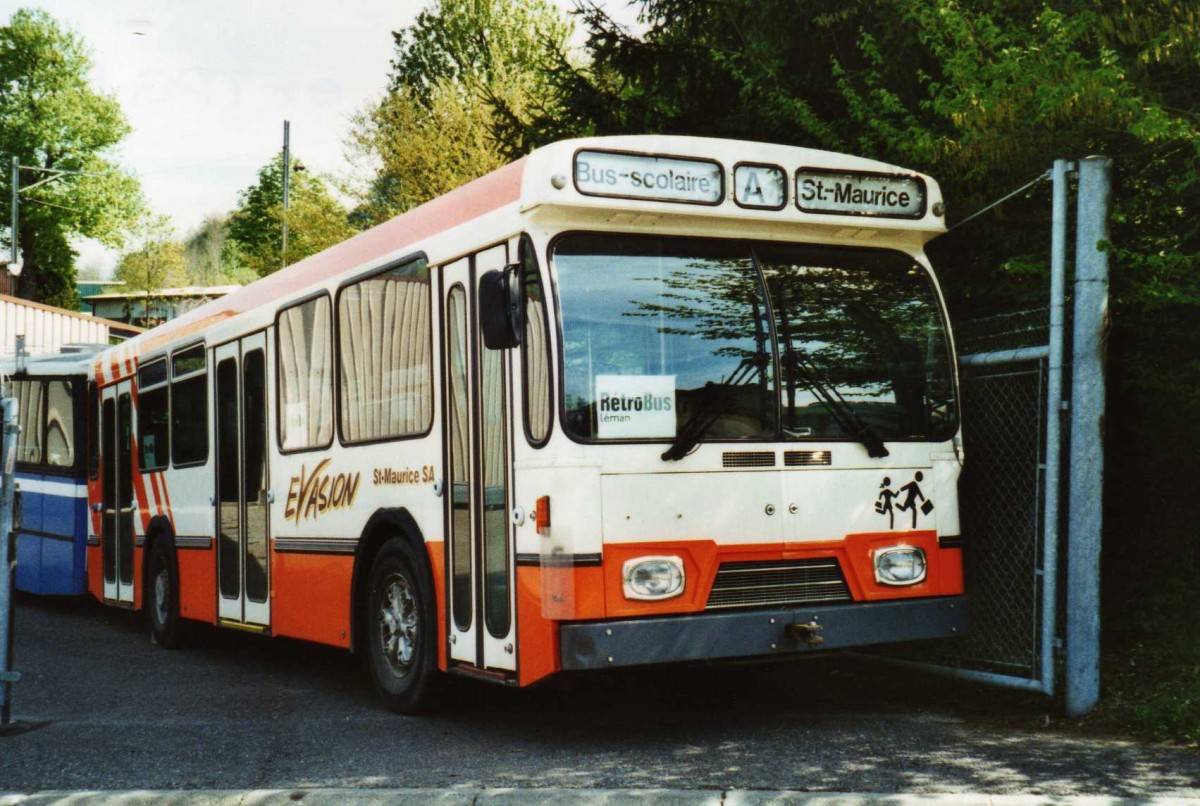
(548, 177)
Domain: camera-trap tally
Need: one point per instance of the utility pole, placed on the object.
(287, 165)
(52, 175)
(16, 180)
(14, 263)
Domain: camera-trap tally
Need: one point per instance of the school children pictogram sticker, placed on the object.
(908, 498)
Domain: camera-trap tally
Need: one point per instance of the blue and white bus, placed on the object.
(51, 468)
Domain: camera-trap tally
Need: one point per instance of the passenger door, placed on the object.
(243, 492)
(116, 503)
(479, 539)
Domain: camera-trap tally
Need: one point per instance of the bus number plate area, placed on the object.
(766, 633)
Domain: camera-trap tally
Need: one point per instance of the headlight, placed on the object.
(902, 565)
(653, 577)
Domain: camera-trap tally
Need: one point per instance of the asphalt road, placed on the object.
(99, 707)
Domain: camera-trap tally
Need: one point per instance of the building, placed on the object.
(47, 329)
(89, 288)
(155, 307)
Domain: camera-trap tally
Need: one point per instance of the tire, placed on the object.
(167, 629)
(400, 630)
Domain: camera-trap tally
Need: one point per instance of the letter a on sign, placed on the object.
(759, 186)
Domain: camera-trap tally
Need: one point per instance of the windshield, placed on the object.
(726, 340)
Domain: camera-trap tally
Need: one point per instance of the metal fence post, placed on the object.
(1054, 400)
(8, 455)
(1087, 437)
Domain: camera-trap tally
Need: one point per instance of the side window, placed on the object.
(305, 369)
(153, 433)
(30, 397)
(535, 353)
(60, 423)
(189, 407)
(93, 430)
(384, 346)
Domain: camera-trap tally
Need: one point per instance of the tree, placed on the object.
(54, 120)
(467, 75)
(157, 264)
(211, 257)
(316, 220)
(420, 152)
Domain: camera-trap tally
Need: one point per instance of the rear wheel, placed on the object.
(400, 630)
(162, 598)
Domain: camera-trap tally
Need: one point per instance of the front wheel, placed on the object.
(400, 630)
(162, 598)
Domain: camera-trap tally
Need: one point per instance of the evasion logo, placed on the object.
(310, 496)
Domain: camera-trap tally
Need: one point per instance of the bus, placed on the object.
(627, 400)
(50, 468)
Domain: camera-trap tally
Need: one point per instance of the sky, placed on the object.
(207, 84)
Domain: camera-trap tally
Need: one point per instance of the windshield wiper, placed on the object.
(847, 418)
(709, 411)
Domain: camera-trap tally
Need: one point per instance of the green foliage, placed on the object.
(54, 120)
(315, 219)
(474, 43)
(211, 257)
(156, 264)
(419, 152)
(467, 77)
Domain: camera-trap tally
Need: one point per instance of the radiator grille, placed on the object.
(778, 582)
(748, 459)
(807, 458)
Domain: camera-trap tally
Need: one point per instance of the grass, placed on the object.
(1152, 687)
(1150, 666)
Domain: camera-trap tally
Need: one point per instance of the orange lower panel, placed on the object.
(701, 559)
(537, 635)
(597, 592)
(310, 597)
(139, 556)
(197, 584)
(95, 574)
(437, 562)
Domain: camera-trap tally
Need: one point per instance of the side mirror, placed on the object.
(500, 311)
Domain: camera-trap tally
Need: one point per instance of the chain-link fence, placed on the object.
(1002, 494)
(1004, 376)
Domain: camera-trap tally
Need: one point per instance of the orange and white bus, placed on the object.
(628, 400)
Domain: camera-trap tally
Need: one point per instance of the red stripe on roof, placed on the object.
(488, 193)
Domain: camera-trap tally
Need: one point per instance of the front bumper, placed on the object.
(758, 633)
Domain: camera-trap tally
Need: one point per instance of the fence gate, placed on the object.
(1032, 404)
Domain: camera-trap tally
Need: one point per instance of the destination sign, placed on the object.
(640, 176)
(866, 194)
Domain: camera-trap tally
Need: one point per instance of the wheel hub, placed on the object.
(398, 625)
(162, 590)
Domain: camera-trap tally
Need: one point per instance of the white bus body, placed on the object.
(730, 429)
